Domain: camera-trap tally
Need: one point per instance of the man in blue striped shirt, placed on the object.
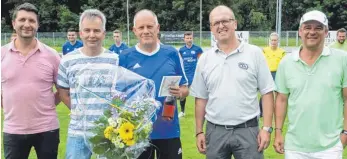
(90, 67)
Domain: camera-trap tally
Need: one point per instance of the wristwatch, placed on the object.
(268, 129)
(344, 132)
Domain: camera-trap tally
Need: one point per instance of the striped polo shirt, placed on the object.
(88, 78)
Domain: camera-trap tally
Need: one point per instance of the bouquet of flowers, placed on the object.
(123, 130)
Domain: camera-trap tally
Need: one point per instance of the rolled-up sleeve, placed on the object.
(345, 72)
(62, 81)
(281, 84)
(265, 82)
(198, 88)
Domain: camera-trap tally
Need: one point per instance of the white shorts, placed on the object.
(331, 153)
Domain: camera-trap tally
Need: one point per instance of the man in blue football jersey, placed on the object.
(72, 42)
(154, 61)
(118, 45)
(190, 54)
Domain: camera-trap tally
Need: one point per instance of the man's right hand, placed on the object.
(279, 143)
(200, 143)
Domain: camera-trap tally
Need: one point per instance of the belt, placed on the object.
(250, 123)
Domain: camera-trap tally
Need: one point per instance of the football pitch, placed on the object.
(187, 124)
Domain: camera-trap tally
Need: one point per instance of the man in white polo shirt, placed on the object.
(225, 87)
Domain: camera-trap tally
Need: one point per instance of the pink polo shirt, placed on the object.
(27, 81)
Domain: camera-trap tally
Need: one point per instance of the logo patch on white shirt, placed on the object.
(243, 65)
(137, 65)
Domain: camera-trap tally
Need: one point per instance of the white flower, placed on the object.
(121, 145)
(112, 122)
(114, 141)
(119, 120)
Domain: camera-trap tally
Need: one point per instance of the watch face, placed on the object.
(270, 130)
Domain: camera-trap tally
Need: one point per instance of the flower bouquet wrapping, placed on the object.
(122, 132)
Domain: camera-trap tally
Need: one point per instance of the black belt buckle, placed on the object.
(229, 127)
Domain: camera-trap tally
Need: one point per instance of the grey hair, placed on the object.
(274, 34)
(221, 7)
(146, 10)
(91, 14)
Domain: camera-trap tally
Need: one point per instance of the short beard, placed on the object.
(341, 42)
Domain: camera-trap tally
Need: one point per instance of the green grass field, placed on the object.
(187, 135)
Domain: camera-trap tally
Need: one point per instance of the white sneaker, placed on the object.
(181, 114)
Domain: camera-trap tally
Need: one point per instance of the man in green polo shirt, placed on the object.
(312, 83)
(340, 42)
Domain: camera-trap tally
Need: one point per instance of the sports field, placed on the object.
(187, 135)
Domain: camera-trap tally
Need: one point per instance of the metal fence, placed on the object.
(259, 38)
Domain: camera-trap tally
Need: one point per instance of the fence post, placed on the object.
(297, 38)
(287, 37)
(53, 40)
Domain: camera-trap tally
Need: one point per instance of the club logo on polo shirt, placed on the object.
(243, 65)
(193, 52)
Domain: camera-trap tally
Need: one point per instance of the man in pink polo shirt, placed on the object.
(28, 72)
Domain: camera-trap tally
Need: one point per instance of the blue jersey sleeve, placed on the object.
(65, 48)
(180, 69)
(80, 44)
(125, 46)
(111, 48)
(200, 50)
(180, 50)
(122, 60)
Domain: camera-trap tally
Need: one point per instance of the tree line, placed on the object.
(174, 15)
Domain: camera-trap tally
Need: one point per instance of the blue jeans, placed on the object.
(78, 147)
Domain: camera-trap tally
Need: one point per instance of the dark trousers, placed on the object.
(18, 146)
(163, 149)
(183, 104)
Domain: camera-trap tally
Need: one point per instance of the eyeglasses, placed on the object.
(224, 22)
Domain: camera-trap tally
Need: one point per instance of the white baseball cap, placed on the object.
(316, 16)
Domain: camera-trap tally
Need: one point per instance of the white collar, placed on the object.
(147, 53)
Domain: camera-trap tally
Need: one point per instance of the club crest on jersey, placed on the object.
(193, 52)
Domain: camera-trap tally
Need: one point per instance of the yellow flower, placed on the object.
(130, 142)
(107, 132)
(126, 131)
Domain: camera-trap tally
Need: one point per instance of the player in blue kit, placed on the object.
(152, 60)
(72, 42)
(118, 45)
(190, 54)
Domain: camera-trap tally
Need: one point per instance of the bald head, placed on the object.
(145, 14)
(221, 9)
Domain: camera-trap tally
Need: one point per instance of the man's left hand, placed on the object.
(175, 91)
(263, 140)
